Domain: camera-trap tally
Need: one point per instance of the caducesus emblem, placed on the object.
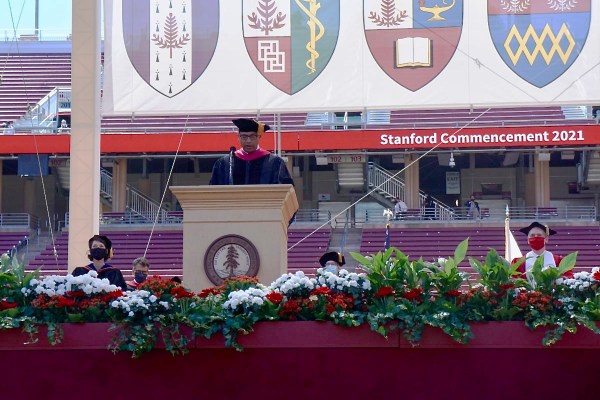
(290, 42)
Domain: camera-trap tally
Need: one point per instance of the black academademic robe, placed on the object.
(257, 168)
(114, 275)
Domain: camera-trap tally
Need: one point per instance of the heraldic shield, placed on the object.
(539, 40)
(170, 43)
(413, 40)
(291, 41)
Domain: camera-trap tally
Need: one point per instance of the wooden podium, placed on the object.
(234, 230)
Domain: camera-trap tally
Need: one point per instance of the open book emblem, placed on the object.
(290, 42)
(170, 43)
(413, 52)
(413, 40)
(539, 40)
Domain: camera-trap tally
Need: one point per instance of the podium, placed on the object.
(234, 230)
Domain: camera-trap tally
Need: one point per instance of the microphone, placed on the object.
(231, 151)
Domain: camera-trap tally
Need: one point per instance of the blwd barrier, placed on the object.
(300, 360)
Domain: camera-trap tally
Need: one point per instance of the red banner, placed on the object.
(392, 139)
(569, 136)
